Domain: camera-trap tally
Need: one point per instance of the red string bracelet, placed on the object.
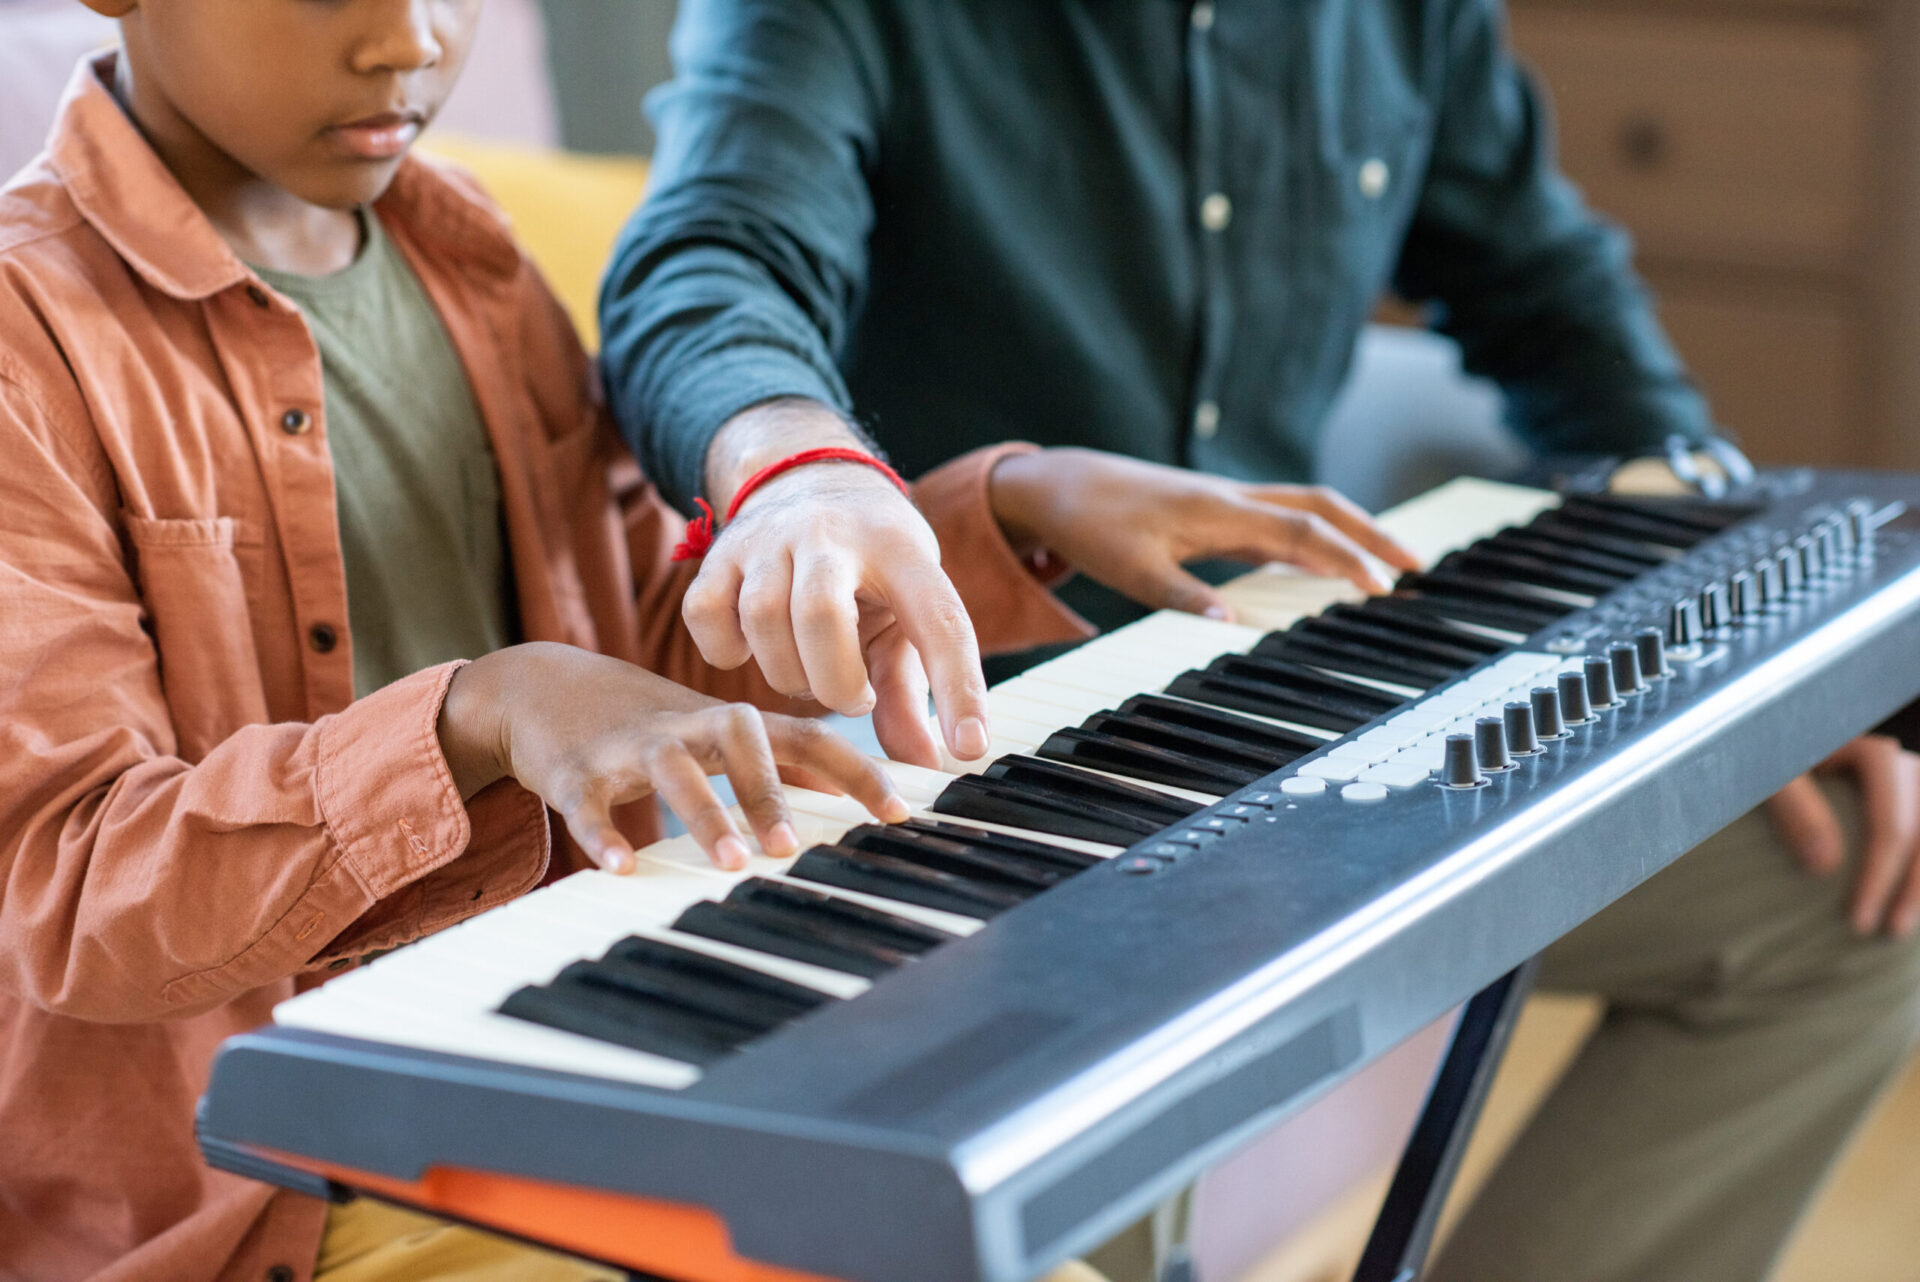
(700, 532)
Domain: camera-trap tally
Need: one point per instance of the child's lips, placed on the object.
(381, 137)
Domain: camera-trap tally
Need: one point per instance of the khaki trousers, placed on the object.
(1747, 1032)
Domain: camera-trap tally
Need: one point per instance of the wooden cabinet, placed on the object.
(1766, 156)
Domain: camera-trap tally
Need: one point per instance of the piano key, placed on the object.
(1552, 604)
(977, 862)
(1558, 546)
(1241, 750)
(1145, 761)
(604, 1015)
(654, 970)
(820, 818)
(1341, 629)
(1049, 797)
(1058, 861)
(892, 878)
(1693, 521)
(1528, 568)
(1259, 735)
(767, 929)
(1353, 657)
(1415, 612)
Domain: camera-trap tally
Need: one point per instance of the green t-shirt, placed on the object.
(414, 476)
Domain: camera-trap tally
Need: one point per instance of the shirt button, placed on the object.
(323, 638)
(1203, 16)
(1216, 211)
(1206, 420)
(296, 422)
(1373, 178)
(258, 296)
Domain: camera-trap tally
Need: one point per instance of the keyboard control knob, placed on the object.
(1490, 745)
(1791, 577)
(1460, 767)
(1600, 691)
(1651, 646)
(1521, 740)
(1625, 658)
(1811, 565)
(1860, 523)
(1766, 577)
(1547, 721)
(1576, 709)
(1845, 537)
(1746, 596)
(1716, 609)
(1830, 550)
(1684, 627)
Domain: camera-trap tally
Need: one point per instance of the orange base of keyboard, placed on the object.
(670, 1239)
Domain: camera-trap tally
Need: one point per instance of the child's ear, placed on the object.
(112, 8)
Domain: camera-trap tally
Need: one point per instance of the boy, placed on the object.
(291, 432)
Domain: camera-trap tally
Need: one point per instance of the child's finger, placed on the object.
(1344, 515)
(591, 825)
(1312, 543)
(740, 737)
(819, 751)
(684, 786)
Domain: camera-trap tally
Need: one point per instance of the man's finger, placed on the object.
(1890, 809)
(684, 786)
(711, 610)
(900, 700)
(817, 750)
(1807, 824)
(935, 623)
(766, 615)
(826, 630)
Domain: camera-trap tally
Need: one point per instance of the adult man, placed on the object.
(1157, 225)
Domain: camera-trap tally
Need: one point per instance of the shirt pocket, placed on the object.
(193, 577)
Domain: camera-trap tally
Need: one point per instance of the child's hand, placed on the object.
(1131, 525)
(588, 733)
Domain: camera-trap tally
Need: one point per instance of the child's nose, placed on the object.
(403, 37)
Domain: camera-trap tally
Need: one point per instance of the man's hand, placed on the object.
(831, 579)
(1131, 525)
(587, 733)
(1888, 894)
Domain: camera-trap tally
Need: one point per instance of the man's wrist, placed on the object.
(761, 435)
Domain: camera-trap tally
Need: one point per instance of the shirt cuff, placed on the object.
(426, 858)
(1011, 608)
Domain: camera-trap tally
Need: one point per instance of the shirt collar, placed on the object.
(123, 189)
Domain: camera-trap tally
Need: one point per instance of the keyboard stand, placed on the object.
(1403, 1232)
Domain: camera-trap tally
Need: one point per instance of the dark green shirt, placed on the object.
(1154, 226)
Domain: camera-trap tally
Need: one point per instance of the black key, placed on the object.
(1557, 548)
(805, 925)
(909, 883)
(1336, 694)
(1228, 691)
(717, 987)
(958, 858)
(1004, 843)
(1552, 524)
(1354, 658)
(1137, 760)
(1504, 592)
(607, 1016)
(1691, 517)
(1239, 751)
(1342, 629)
(1623, 526)
(1025, 792)
(1406, 614)
(1278, 742)
(1525, 567)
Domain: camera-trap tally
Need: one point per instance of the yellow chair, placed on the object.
(567, 208)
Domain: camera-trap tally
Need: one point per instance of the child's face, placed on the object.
(320, 98)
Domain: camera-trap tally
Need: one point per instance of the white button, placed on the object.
(1206, 420)
(1299, 787)
(1395, 774)
(1365, 753)
(1364, 792)
(1203, 16)
(1373, 178)
(1216, 211)
(1332, 769)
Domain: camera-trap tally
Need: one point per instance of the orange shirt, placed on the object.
(195, 816)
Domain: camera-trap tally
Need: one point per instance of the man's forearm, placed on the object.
(767, 433)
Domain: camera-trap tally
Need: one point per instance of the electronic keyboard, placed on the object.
(1206, 871)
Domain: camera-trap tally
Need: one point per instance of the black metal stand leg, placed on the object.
(1403, 1233)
